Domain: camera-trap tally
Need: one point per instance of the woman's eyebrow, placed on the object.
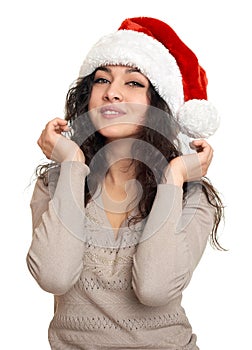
(132, 70)
(104, 69)
(127, 70)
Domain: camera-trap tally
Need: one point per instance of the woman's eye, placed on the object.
(101, 81)
(135, 84)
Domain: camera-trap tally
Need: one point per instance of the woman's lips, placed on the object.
(110, 112)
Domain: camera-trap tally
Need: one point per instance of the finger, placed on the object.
(56, 124)
(206, 159)
(41, 138)
(202, 146)
(58, 121)
(197, 145)
(39, 142)
(206, 154)
(198, 142)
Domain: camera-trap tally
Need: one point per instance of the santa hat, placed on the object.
(172, 68)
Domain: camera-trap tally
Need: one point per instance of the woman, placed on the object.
(120, 216)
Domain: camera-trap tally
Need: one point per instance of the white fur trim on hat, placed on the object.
(131, 48)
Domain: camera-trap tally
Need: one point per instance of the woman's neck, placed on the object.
(121, 166)
(120, 172)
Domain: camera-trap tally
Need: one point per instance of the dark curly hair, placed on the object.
(163, 140)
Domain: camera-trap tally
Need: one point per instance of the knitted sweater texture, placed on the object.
(122, 293)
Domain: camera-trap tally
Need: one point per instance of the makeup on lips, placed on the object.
(110, 112)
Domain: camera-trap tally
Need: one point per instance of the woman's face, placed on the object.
(119, 101)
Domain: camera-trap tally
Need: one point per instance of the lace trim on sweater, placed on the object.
(96, 284)
(101, 322)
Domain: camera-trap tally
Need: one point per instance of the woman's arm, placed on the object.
(172, 244)
(175, 235)
(55, 255)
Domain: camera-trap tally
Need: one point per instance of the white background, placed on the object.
(43, 44)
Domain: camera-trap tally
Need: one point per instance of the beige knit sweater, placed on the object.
(116, 294)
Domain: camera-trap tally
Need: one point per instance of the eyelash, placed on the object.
(100, 81)
(135, 84)
(130, 83)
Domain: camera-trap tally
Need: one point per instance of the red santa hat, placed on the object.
(173, 69)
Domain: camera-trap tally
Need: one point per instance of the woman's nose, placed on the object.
(113, 93)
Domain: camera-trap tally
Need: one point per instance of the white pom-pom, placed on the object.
(198, 118)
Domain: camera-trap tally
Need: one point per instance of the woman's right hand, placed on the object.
(57, 147)
(190, 167)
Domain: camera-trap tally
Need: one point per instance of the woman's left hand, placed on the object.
(190, 167)
(57, 147)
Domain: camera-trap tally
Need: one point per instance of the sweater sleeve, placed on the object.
(173, 241)
(55, 255)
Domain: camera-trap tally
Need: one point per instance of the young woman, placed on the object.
(120, 216)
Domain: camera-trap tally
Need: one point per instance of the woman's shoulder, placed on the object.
(196, 193)
(46, 179)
